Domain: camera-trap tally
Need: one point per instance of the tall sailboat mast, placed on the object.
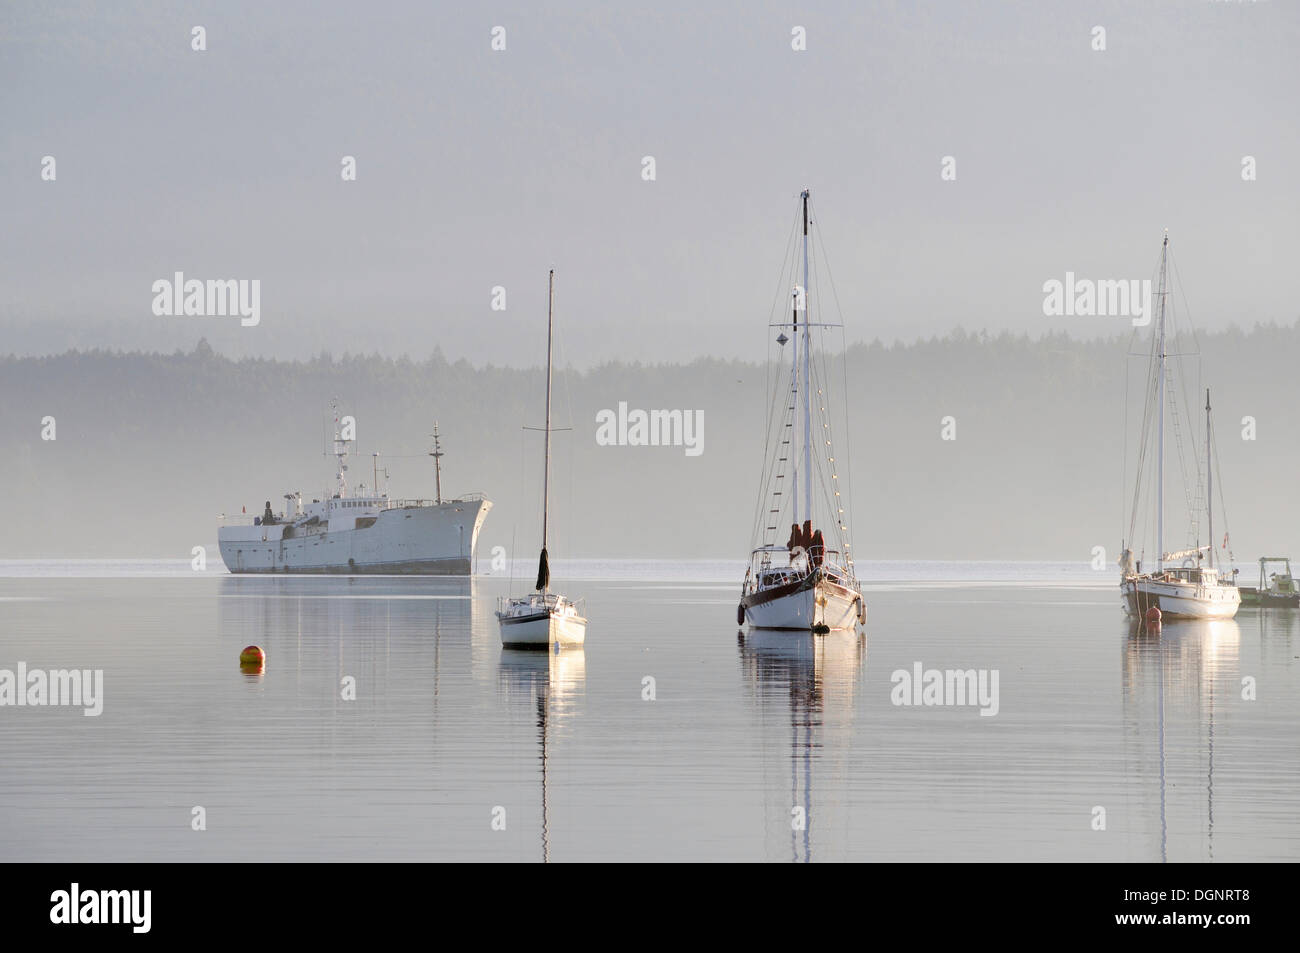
(794, 395)
(1209, 478)
(807, 373)
(543, 569)
(1160, 427)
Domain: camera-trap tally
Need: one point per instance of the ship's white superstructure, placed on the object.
(362, 531)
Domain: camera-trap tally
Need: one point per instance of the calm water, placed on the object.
(446, 727)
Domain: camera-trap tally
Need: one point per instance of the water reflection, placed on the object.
(805, 686)
(1278, 630)
(374, 627)
(551, 683)
(1177, 680)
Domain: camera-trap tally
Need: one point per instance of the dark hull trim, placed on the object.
(789, 589)
(519, 620)
(459, 566)
(779, 592)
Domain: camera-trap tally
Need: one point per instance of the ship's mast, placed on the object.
(436, 453)
(1160, 426)
(544, 574)
(1209, 478)
(794, 395)
(807, 372)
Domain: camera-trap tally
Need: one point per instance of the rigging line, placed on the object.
(829, 428)
(770, 456)
(758, 499)
(772, 378)
(767, 425)
(847, 519)
(1196, 352)
(1123, 470)
(1139, 513)
(1178, 283)
(563, 378)
(515, 531)
(1191, 487)
(1148, 425)
(766, 479)
(830, 277)
(768, 491)
(1188, 492)
(827, 470)
(1223, 504)
(785, 260)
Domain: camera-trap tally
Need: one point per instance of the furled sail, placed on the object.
(543, 572)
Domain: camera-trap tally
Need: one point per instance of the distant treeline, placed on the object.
(150, 448)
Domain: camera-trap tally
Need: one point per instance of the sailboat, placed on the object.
(543, 618)
(804, 584)
(1191, 589)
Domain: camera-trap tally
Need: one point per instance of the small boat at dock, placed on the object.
(1276, 590)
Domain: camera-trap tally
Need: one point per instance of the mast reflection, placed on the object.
(551, 682)
(805, 685)
(1176, 678)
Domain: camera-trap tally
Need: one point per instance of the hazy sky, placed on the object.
(478, 168)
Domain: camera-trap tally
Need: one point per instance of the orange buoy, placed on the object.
(1153, 614)
(252, 655)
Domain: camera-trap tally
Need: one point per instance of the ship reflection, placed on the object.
(1176, 680)
(379, 626)
(1277, 628)
(550, 683)
(805, 686)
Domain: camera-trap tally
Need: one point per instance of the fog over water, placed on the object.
(150, 449)
(478, 169)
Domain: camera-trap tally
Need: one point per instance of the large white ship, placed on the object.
(358, 532)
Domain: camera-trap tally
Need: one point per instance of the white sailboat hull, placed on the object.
(1180, 600)
(540, 620)
(821, 604)
(543, 631)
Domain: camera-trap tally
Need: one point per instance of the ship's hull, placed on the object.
(435, 540)
(1180, 600)
(1268, 599)
(806, 605)
(542, 630)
